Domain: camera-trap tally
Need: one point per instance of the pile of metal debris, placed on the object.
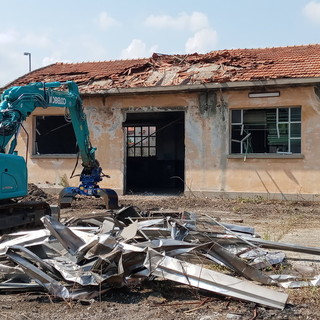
(84, 258)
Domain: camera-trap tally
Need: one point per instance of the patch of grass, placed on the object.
(64, 181)
(217, 267)
(255, 199)
(288, 224)
(266, 235)
(285, 226)
(236, 209)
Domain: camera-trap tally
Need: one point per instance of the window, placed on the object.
(276, 130)
(141, 141)
(54, 135)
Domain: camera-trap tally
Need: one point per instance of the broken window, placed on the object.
(141, 141)
(54, 135)
(276, 130)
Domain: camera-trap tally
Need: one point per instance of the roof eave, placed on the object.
(281, 82)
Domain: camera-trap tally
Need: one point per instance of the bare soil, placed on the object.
(286, 221)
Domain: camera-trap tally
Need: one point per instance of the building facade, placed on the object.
(232, 123)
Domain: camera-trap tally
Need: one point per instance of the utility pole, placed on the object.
(28, 54)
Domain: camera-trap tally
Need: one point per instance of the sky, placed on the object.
(99, 30)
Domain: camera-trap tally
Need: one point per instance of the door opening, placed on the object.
(155, 153)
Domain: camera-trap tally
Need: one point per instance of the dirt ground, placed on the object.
(285, 221)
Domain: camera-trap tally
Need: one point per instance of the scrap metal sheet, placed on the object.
(66, 237)
(197, 276)
(50, 284)
(83, 261)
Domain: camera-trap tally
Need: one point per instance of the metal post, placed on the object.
(28, 54)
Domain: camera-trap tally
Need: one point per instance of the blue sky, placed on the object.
(96, 30)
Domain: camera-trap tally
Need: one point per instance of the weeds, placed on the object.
(266, 235)
(217, 267)
(286, 225)
(64, 181)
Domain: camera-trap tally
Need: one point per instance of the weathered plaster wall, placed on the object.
(208, 167)
(105, 119)
(105, 128)
(206, 139)
(119, 107)
(281, 177)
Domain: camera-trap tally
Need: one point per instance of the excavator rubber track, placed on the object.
(15, 215)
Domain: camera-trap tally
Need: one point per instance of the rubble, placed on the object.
(84, 258)
(164, 70)
(37, 194)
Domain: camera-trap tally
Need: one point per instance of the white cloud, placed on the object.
(8, 37)
(137, 49)
(15, 38)
(194, 22)
(12, 66)
(202, 41)
(204, 37)
(198, 21)
(312, 11)
(53, 59)
(153, 49)
(88, 49)
(49, 60)
(36, 40)
(105, 21)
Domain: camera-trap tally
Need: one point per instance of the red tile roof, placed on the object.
(164, 70)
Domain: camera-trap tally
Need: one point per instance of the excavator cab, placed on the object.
(13, 176)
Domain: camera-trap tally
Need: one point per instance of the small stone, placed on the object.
(211, 316)
(234, 316)
(156, 298)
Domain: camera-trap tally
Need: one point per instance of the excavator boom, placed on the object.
(16, 104)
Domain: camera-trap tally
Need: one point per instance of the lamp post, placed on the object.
(28, 54)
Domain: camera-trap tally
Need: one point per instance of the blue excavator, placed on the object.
(16, 104)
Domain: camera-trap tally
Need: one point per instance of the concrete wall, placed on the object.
(209, 169)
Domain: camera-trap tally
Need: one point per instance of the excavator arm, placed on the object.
(17, 103)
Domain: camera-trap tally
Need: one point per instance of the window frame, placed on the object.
(34, 151)
(144, 145)
(278, 122)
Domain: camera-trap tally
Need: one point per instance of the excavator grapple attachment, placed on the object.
(67, 195)
(110, 198)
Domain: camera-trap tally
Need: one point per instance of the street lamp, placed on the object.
(28, 54)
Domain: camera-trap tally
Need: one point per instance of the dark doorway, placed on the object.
(155, 152)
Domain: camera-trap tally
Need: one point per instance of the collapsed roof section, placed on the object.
(162, 70)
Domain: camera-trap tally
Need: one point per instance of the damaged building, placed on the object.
(233, 123)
